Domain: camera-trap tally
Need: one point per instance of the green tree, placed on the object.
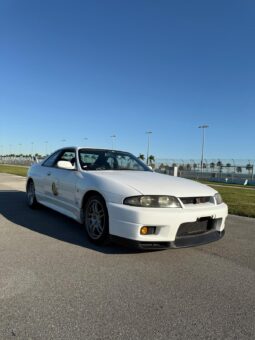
(228, 165)
(151, 159)
(249, 168)
(141, 156)
(219, 165)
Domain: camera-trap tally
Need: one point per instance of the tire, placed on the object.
(96, 219)
(31, 198)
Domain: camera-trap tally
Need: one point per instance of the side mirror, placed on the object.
(65, 165)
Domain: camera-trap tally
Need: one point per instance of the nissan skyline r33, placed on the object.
(116, 196)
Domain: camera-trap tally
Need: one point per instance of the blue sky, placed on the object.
(76, 69)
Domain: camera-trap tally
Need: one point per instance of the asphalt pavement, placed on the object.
(54, 284)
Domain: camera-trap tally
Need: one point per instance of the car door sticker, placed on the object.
(54, 189)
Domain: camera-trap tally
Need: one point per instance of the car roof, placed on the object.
(88, 148)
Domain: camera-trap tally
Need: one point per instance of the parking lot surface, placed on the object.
(54, 284)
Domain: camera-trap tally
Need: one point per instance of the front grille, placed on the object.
(197, 200)
(201, 226)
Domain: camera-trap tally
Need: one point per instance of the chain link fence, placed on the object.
(18, 160)
(233, 171)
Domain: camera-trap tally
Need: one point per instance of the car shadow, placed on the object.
(13, 207)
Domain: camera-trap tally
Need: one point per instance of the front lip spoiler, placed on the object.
(180, 242)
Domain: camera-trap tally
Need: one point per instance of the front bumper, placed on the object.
(126, 222)
(190, 241)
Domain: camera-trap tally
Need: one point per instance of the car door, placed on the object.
(46, 170)
(61, 183)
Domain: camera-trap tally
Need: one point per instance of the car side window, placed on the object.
(61, 155)
(68, 156)
(52, 159)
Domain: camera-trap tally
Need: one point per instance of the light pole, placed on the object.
(203, 127)
(113, 137)
(148, 146)
(234, 165)
(85, 139)
(32, 148)
(46, 147)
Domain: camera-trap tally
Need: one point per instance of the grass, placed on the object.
(240, 201)
(13, 169)
(225, 184)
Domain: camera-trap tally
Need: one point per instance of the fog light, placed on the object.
(147, 230)
(144, 230)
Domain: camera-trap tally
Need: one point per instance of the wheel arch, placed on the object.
(29, 179)
(86, 196)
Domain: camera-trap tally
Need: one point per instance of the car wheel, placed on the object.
(31, 198)
(96, 219)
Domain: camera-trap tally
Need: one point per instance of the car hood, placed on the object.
(151, 183)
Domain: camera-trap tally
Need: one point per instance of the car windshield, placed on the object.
(91, 159)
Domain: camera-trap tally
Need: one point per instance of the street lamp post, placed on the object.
(148, 146)
(113, 137)
(85, 139)
(203, 127)
(2, 151)
(32, 148)
(234, 165)
(46, 148)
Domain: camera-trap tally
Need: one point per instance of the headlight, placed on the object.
(218, 198)
(153, 201)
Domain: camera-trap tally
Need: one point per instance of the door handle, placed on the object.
(49, 173)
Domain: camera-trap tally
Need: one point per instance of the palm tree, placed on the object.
(141, 156)
(239, 169)
(212, 165)
(151, 159)
(228, 165)
(188, 167)
(219, 165)
(249, 167)
(194, 166)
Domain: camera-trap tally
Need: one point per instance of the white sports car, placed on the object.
(115, 195)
